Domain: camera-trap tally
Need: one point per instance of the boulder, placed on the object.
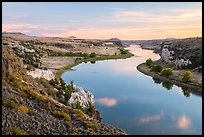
(82, 96)
(40, 73)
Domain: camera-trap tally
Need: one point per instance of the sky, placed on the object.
(104, 20)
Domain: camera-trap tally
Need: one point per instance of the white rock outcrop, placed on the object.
(82, 96)
(40, 73)
(167, 56)
(181, 62)
(22, 48)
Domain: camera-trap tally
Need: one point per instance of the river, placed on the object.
(135, 102)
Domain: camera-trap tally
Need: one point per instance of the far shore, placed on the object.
(146, 70)
(61, 64)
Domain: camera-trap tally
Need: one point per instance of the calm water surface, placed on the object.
(128, 99)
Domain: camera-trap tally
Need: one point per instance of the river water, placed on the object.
(135, 102)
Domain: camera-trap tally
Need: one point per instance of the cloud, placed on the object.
(119, 22)
(32, 28)
(130, 14)
(18, 27)
(152, 118)
(109, 102)
(183, 122)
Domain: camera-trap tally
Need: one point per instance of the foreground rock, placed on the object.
(81, 96)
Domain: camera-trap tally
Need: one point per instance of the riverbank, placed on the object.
(174, 80)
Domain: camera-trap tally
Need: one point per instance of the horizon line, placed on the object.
(98, 38)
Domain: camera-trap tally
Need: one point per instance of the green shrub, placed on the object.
(156, 68)
(47, 103)
(166, 72)
(149, 62)
(62, 114)
(63, 84)
(17, 131)
(79, 115)
(69, 90)
(16, 82)
(45, 83)
(72, 54)
(187, 76)
(33, 95)
(85, 55)
(91, 108)
(123, 51)
(9, 103)
(91, 124)
(54, 81)
(93, 55)
(78, 106)
(88, 124)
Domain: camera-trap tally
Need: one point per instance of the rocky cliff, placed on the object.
(182, 53)
(33, 105)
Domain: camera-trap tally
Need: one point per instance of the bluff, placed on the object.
(33, 105)
(182, 53)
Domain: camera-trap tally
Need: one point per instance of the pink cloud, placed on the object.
(109, 102)
(10, 27)
(130, 13)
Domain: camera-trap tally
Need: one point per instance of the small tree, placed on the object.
(63, 84)
(166, 72)
(52, 82)
(156, 68)
(91, 108)
(187, 76)
(149, 62)
(123, 51)
(93, 54)
(78, 105)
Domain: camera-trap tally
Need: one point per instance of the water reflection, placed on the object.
(167, 85)
(151, 118)
(186, 91)
(184, 122)
(92, 62)
(156, 80)
(109, 102)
